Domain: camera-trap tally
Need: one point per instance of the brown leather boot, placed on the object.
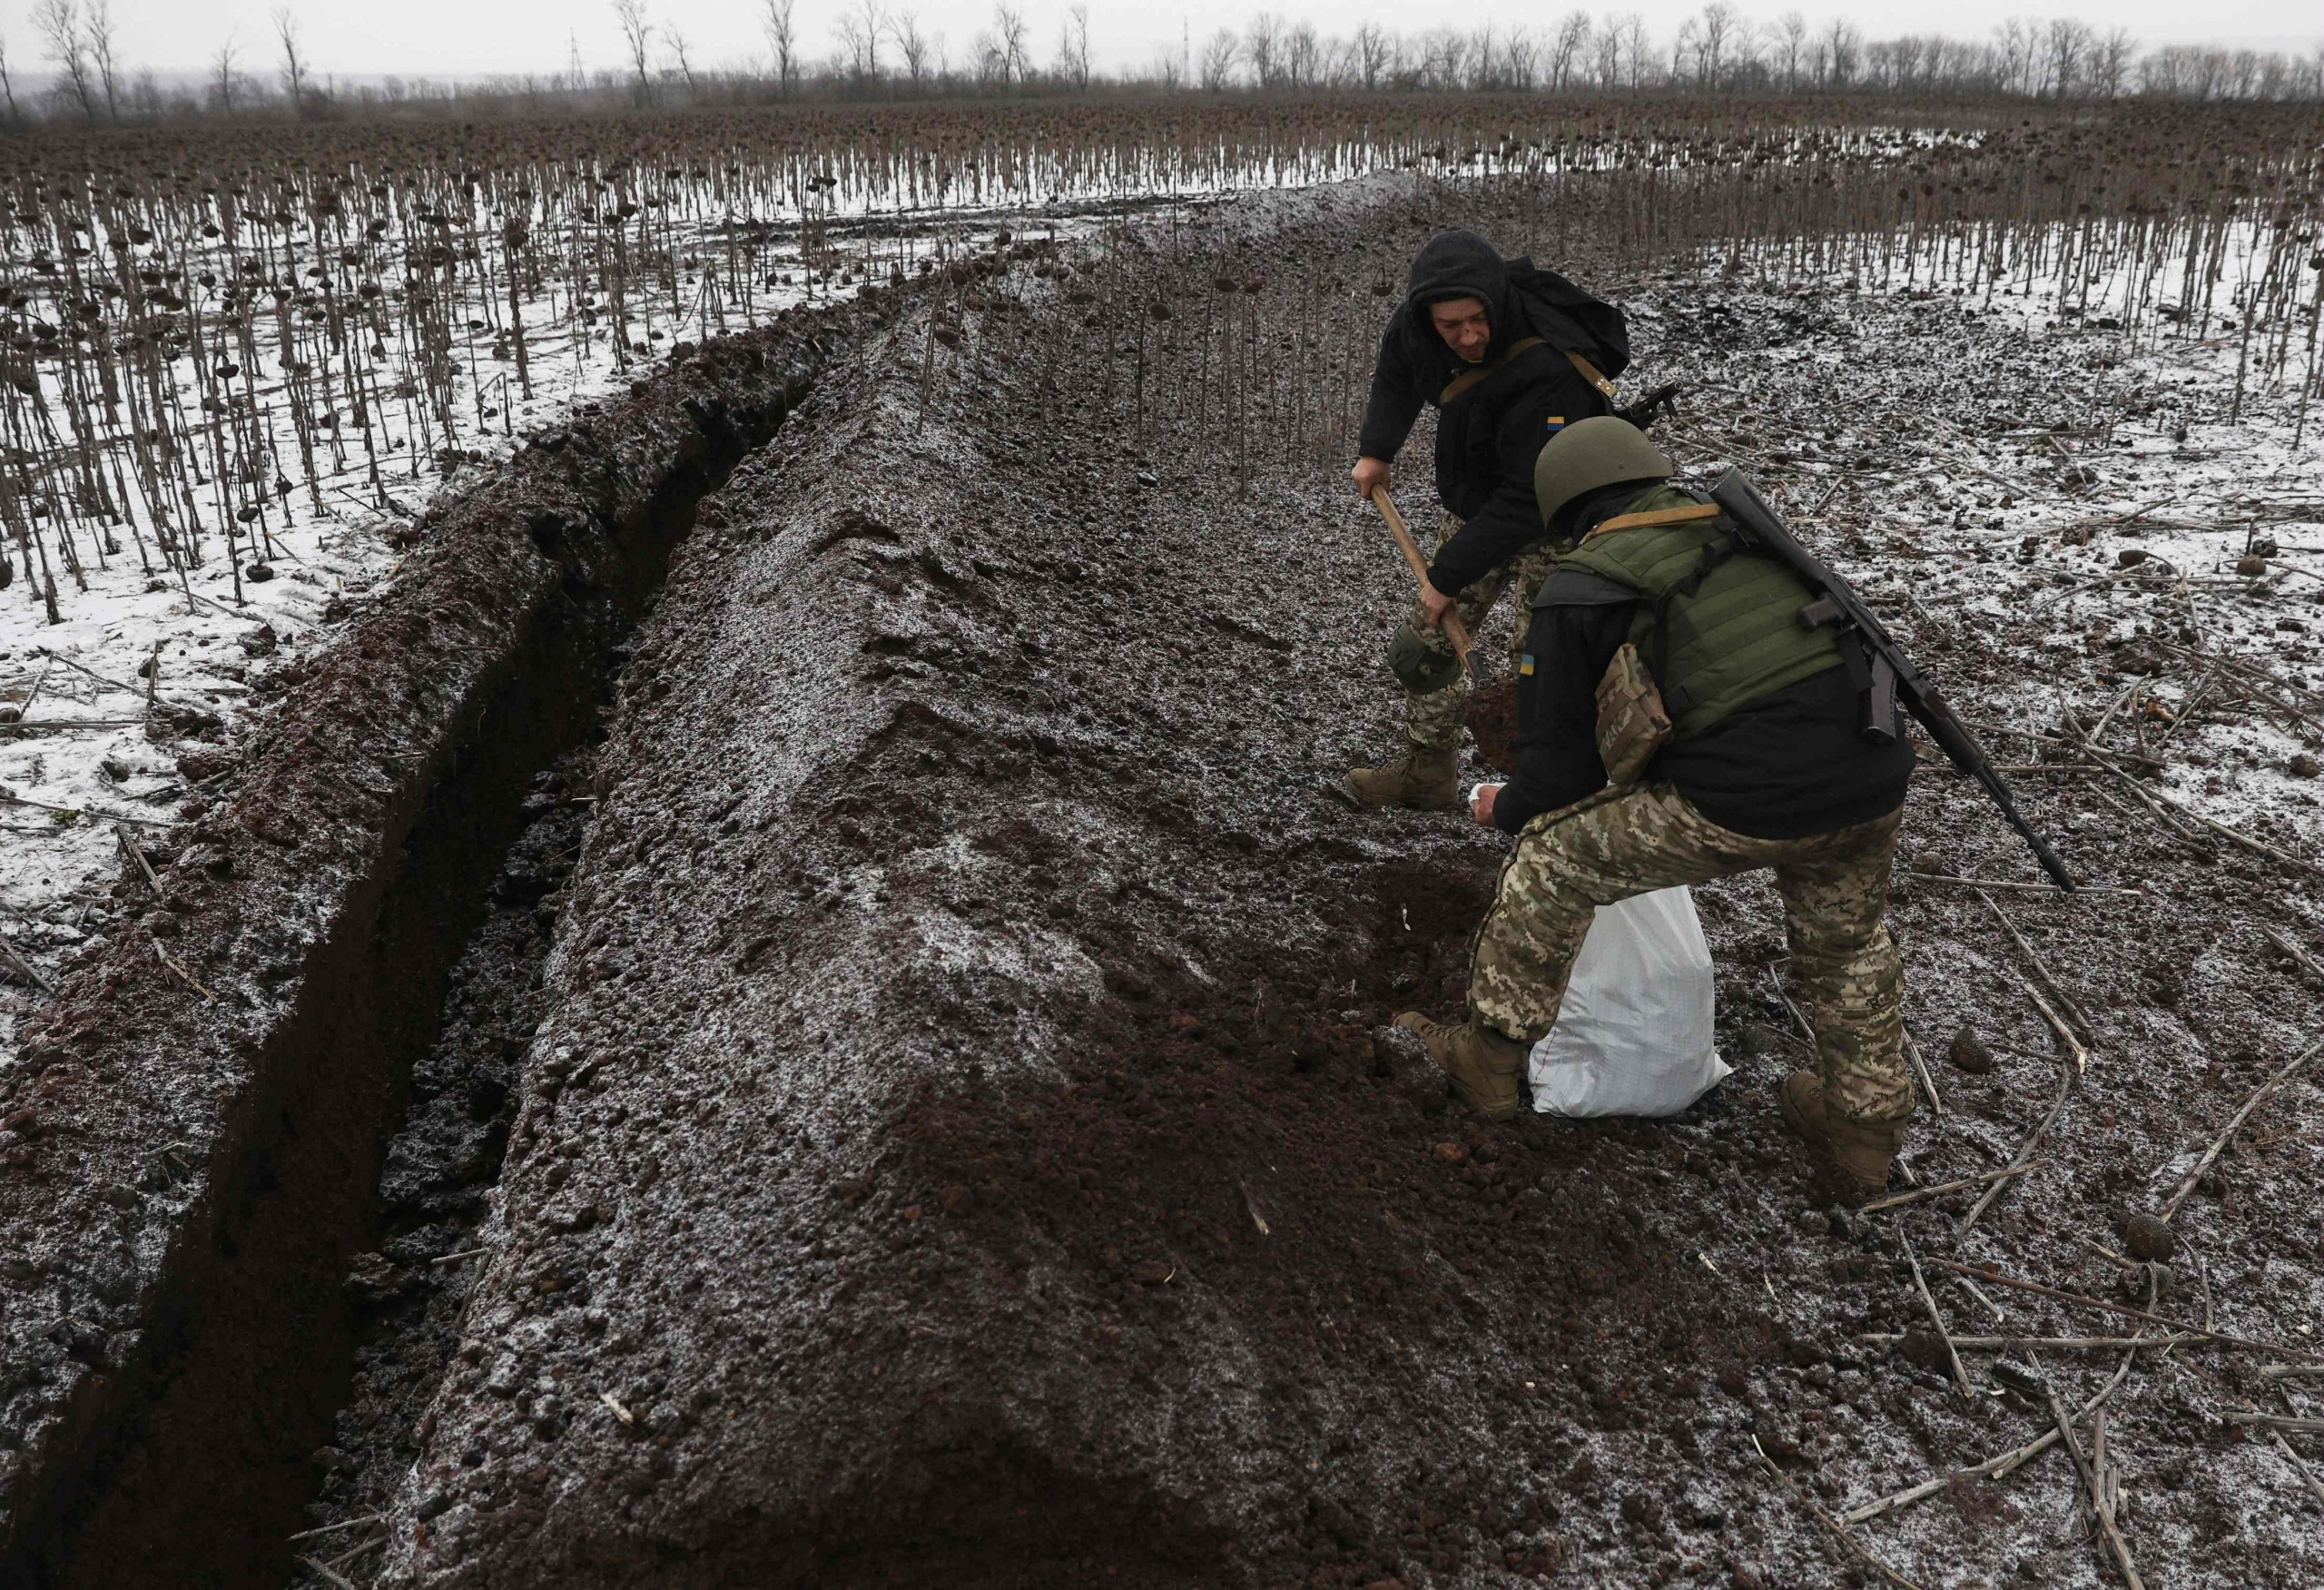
(1422, 779)
(1862, 1150)
(1482, 1063)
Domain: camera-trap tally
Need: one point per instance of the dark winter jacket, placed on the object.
(1786, 765)
(1488, 436)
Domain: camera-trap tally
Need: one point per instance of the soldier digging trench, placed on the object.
(1685, 713)
(1509, 353)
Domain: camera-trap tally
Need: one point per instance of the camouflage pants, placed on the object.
(1433, 718)
(1620, 843)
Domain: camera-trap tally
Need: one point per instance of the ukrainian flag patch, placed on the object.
(1525, 664)
(1556, 423)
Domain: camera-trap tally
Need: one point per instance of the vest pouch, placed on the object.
(1631, 723)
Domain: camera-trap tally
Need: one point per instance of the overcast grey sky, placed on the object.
(465, 37)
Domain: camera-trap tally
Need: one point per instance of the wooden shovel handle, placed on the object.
(1454, 630)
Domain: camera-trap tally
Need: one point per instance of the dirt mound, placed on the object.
(966, 1134)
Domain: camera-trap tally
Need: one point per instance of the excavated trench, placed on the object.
(189, 1218)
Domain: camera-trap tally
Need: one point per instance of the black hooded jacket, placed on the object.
(1488, 436)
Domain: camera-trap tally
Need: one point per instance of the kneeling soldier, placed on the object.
(1754, 754)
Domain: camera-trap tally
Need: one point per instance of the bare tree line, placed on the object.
(883, 49)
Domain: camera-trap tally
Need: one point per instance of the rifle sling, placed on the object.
(1590, 373)
(1471, 377)
(1660, 516)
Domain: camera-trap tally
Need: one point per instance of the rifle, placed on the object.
(1652, 407)
(1454, 630)
(1894, 678)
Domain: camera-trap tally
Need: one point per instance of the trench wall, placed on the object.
(189, 1148)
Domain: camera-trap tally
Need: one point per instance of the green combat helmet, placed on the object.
(1591, 453)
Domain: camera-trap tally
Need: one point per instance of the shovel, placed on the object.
(1454, 630)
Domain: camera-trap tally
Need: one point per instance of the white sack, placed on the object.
(1634, 1034)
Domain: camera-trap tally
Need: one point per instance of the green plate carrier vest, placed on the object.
(1720, 627)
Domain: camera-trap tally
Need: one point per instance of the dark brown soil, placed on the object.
(992, 1163)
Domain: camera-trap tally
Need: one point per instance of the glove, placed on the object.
(1652, 407)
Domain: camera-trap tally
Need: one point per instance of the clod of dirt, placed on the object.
(2146, 1237)
(1924, 1349)
(2142, 1281)
(2162, 985)
(1491, 714)
(2303, 765)
(2251, 566)
(1970, 1054)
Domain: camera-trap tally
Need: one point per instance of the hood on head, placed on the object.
(1460, 264)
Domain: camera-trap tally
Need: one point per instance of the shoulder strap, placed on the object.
(1471, 377)
(1590, 373)
(1578, 588)
(1676, 696)
(1660, 516)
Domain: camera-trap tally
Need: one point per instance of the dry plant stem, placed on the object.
(2160, 818)
(342, 1523)
(1929, 1086)
(2300, 957)
(24, 968)
(2254, 1343)
(2292, 1371)
(129, 848)
(1799, 1016)
(2065, 1033)
(2024, 1156)
(2094, 1485)
(1936, 1318)
(1936, 1190)
(2025, 888)
(2041, 971)
(25, 706)
(1993, 1468)
(2307, 1475)
(339, 1580)
(183, 975)
(1977, 1294)
(2170, 1205)
(2064, 1344)
(1838, 1527)
(2275, 1421)
(2172, 811)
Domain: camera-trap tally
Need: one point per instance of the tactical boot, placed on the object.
(1422, 779)
(1482, 1063)
(1862, 1150)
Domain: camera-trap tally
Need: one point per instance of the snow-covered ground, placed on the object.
(2095, 501)
(83, 755)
